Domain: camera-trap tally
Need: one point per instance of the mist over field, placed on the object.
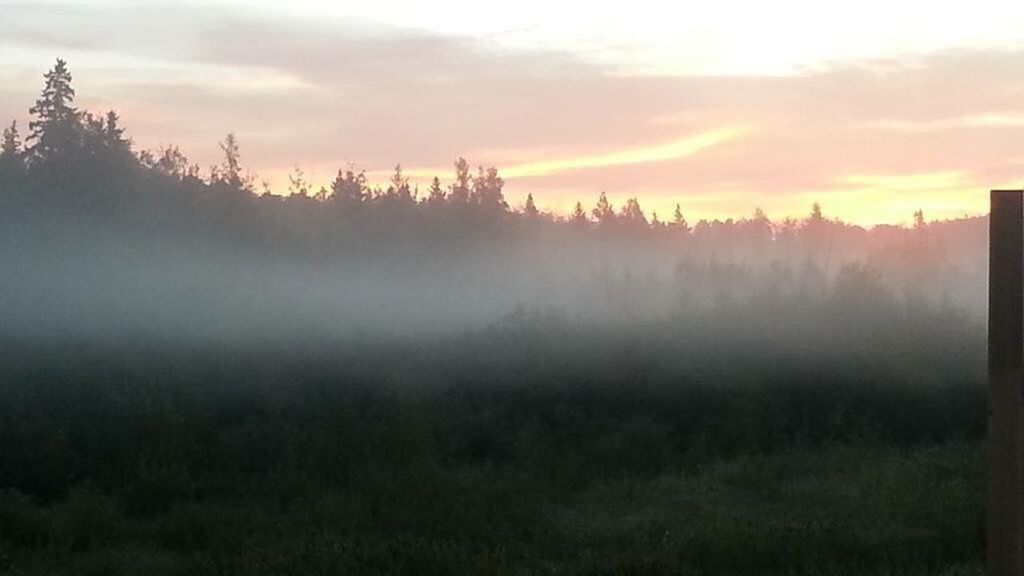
(177, 259)
(198, 376)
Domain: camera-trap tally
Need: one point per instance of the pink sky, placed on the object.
(720, 120)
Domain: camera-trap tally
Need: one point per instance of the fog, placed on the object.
(102, 243)
(113, 280)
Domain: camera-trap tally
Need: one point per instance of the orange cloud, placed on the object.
(670, 151)
(970, 121)
(673, 150)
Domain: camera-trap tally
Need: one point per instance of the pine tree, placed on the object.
(230, 171)
(604, 213)
(679, 221)
(56, 127)
(436, 193)
(632, 213)
(816, 215)
(349, 188)
(487, 189)
(919, 222)
(11, 146)
(579, 217)
(399, 187)
(113, 133)
(461, 187)
(11, 158)
(531, 208)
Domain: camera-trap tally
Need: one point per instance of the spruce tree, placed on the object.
(57, 124)
(578, 217)
(436, 193)
(531, 208)
(10, 147)
(604, 213)
(230, 171)
(11, 158)
(461, 187)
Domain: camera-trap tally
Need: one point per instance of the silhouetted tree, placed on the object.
(679, 223)
(435, 195)
(463, 182)
(349, 189)
(816, 215)
(171, 162)
(56, 128)
(297, 184)
(632, 214)
(758, 230)
(604, 213)
(11, 145)
(919, 222)
(12, 161)
(399, 186)
(230, 170)
(530, 209)
(487, 190)
(578, 217)
(113, 133)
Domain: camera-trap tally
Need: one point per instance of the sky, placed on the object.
(873, 109)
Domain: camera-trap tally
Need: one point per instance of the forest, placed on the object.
(201, 376)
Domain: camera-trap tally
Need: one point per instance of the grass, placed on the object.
(841, 510)
(500, 453)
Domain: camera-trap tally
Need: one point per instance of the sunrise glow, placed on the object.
(671, 104)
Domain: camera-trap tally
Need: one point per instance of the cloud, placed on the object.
(991, 120)
(323, 93)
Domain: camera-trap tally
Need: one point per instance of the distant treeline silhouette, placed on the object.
(75, 181)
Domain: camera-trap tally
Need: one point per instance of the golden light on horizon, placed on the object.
(720, 116)
(670, 151)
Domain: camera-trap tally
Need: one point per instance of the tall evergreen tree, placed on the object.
(349, 188)
(56, 127)
(604, 213)
(816, 215)
(399, 186)
(230, 171)
(530, 209)
(578, 216)
(463, 182)
(632, 213)
(436, 193)
(113, 133)
(12, 162)
(679, 222)
(919, 222)
(11, 145)
(487, 189)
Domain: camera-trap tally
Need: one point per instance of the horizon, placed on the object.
(720, 119)
(377, 181)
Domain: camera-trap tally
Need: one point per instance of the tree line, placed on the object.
(80, 169)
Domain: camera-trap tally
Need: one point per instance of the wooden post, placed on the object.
(1005, 498)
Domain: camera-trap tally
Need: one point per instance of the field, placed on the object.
(534, 446)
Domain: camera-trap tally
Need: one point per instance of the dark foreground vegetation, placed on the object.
(624, 452)
(195, 379)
